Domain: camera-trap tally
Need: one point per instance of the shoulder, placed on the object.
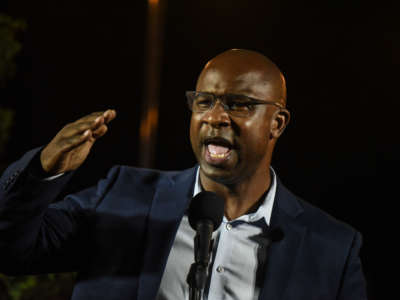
(325, 229)
(319, 223)
(318, 220)
(145, 176)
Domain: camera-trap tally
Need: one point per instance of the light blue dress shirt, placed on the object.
(233, 267)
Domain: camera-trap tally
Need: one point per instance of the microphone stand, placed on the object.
(203, 245)
(196, 279)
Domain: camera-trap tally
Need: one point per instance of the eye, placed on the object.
(203, 101)
(239, 105)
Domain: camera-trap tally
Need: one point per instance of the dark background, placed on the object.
(340, 59)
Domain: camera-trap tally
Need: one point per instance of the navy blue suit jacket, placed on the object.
(118, 235)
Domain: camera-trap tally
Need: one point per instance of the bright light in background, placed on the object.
(153, 2)
(149, 124)
(149, 116)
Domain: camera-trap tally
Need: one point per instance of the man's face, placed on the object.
(230, 149)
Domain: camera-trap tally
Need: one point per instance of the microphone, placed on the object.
(205, 216)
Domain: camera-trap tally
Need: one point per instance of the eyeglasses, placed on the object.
(235, 105)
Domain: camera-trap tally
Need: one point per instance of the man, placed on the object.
(129, 237)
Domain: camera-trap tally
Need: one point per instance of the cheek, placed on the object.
(255, 136)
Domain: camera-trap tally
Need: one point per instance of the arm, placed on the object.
(35, 235)
(353, 285)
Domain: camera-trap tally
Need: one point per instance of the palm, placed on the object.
(71, 146)
(77, 156)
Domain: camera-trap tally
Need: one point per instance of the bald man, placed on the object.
(129, 236)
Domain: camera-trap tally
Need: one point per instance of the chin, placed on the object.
(219, 174)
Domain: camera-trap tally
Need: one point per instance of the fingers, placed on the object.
(107, 116)
(89, 135)
(99, 127)
(88, 128)
(93, 122)
(70, 147)
(100, 131)
(76, 140)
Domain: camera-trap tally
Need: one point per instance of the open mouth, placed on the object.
(218, 150)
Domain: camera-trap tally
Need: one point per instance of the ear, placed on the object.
(280, 119)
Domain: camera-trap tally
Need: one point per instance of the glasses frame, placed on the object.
(251, 101)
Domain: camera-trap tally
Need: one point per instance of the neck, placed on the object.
(242, 197)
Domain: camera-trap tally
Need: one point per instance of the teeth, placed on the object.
(217, 151)
(215, 155)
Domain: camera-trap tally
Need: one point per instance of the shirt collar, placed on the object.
(263, 211)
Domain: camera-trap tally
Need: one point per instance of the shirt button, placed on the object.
(220, 269)
(228, 226)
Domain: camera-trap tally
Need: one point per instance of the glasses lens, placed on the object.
(201, 102)
(236, 105)
(239, 105)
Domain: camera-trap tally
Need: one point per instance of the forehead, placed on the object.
(251, 83)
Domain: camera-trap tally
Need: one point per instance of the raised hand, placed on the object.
(72, 144)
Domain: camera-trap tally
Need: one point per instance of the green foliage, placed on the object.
(17, 288)
(43, 287)
(9, 46)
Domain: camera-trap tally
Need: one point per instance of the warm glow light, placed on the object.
(153, 2)
(149, 124)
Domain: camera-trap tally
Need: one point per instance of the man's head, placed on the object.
(228, 147)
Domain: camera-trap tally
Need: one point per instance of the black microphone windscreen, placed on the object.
(206, 206)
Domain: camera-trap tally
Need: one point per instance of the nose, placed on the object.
(217, 116)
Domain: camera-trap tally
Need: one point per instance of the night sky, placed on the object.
(340, 60)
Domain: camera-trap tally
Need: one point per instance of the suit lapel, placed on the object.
(170, 201)
(172, 197)
(282, 254)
